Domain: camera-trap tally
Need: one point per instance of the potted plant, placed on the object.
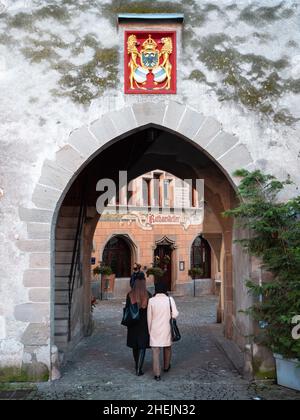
(107, 278)
(156, 272)
(275, 240)
(196, 273)
(156, 262)
(102, 269)
(166, 260)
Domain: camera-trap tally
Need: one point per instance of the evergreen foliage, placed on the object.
(275, 240)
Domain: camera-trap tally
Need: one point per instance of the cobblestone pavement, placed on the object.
(101, 367)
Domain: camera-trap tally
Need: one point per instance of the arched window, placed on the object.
(201, 256)
(117, 254)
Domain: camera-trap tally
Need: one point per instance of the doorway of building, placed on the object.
(117, 255)
(163, 256)
(201, 256)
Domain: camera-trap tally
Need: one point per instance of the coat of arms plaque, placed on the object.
(150, 62)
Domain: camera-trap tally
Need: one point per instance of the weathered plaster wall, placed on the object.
(59, 64)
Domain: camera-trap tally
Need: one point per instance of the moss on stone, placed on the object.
(247, 79)
(266, 108)
(80, 44)
(262, 373)
(271, 85)
(231, 7)
(33, 372)
(285, 117)
(267, 375)
(40, 53)
(212, 8)
(287, 13)
(11, 374)
(55, 42)
(263, 37)
(260, 64)
(90, 41)
(10, 386)
(55, 11)
(249, 95)
(257, 16)
(26, 20)
(254, 88)
(85, 83)
(6, 39)
(292, 44)
(21, 20)
(63, 66)
(240, 40)
(293, 85)
(198, 76)
(231, 79)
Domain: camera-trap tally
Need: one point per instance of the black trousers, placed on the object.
(139, 358)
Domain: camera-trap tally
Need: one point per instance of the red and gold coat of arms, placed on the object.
(150, 62)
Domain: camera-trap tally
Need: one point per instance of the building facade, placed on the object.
(199, 92)
(155, 231)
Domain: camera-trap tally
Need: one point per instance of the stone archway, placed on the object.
(201, 255)
(130, 242)
(165, 246)
(205, 133)
(122, 280)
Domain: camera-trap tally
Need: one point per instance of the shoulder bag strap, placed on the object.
(171, 308)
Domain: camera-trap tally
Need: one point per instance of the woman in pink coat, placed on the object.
(159, 315)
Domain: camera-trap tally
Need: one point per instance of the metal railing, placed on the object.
(75, 264)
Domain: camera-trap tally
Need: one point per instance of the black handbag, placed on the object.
(131, 314)
(175, 334)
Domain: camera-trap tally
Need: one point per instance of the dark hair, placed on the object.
(141, 276)
(161, 287)
(139, 293)
(137, 266)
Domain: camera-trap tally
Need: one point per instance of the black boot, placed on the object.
(142, 354)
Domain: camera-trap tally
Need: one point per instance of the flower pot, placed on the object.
(288, 372)
(108, 285)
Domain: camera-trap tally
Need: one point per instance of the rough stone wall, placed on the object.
(59, 69)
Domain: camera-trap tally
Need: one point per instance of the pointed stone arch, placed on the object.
(128, 239)
(225, 149)
(206, 133)
(165, 240)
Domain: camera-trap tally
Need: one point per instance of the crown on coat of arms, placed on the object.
(150, 44)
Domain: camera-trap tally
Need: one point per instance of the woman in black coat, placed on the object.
(138, 334)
